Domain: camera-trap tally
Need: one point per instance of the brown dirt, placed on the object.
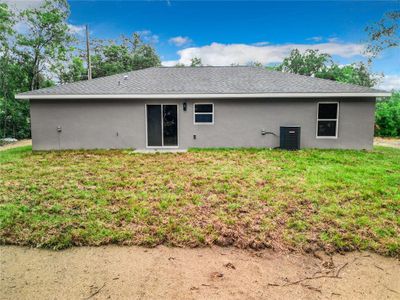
(20, 143)
(387, 142)
(114, 272)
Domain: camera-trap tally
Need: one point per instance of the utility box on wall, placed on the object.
(290, 137)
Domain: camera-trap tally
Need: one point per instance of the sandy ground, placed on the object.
(16, 144)
(387, 142)
(114, 272)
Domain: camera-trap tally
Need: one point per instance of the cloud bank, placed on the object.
(218, 54)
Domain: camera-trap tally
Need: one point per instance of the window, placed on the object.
(203, 113)
(327, 120)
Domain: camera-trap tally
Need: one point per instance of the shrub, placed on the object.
(387, 116)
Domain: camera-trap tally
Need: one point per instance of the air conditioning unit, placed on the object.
(290, 137)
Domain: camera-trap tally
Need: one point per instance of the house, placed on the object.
(183, 107)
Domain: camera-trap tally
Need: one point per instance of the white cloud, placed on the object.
(226, 54)
(333, 40)
(148, 37)
(315, 38)
(76, 29)
(261, 44)
(169, 63)
(389, 82)
(180, 40)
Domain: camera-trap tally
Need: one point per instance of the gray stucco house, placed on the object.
(179, 108)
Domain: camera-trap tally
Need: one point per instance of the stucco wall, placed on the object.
(238, 123)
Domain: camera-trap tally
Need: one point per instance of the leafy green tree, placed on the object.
(321, 65)
(27, 58)
(196, 62)
(354, 74)
(387, 116)
(47, 41)
(383, 34)
(74, 71)
(7, 21)
(131, 54)
(309, 63)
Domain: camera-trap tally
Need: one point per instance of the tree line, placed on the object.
(44, 52)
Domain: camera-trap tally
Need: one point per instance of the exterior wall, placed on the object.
(90, 124)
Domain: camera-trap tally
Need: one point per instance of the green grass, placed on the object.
(336, 200)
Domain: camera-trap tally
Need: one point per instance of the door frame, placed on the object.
(162, 126)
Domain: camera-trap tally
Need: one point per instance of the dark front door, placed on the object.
(162, 125)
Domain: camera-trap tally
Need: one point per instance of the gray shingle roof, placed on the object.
(201, 80)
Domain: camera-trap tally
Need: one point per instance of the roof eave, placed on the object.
(203, 96)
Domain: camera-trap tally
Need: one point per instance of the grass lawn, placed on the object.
(336, 200)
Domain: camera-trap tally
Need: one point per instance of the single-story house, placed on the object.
(184, 107)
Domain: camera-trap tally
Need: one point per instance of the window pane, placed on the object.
(203, 108)
(170, 121)
(206, 118)
(154, 125)
(327, 111)
(326, 128)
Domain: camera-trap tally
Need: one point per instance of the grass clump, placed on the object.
(337, 200)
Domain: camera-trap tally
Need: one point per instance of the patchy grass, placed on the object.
(306, 200)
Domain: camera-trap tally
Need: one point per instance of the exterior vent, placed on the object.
(290, 137)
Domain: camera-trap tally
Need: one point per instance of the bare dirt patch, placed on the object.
(20, 143)
(113, 272)
(387, 142)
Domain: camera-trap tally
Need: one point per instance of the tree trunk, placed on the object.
(35, 74)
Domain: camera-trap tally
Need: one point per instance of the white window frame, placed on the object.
(337, 121)
(203, 113)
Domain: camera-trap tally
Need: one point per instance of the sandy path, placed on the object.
(16, 144)
(114, 272)
(387, 142)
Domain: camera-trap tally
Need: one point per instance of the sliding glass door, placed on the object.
(162, 125)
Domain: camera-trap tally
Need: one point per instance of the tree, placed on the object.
(47, 41)
(387, 116)
(354, 74)
(310, 63)
(383, 34)
(74, 71)
(27, 59)
(112, 57)
(196, 62)
(7, 21)
(313, 63)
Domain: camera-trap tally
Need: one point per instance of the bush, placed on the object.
(387, 116)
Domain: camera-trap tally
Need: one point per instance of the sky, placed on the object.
(227, 32)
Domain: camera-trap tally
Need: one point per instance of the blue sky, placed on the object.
(228, 32)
